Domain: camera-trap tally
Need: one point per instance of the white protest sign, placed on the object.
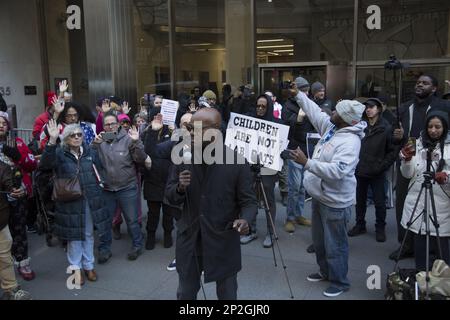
(169, 109)
(253, 137)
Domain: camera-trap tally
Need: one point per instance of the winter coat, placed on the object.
(298, 130)
(414, 170)
(6, 185)
(209, 210)
(155, 179)
(330, 174)
(405, 110)
(378, 152)
(119, 159)
(70, 216)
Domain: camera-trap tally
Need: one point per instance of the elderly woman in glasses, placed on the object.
(75, 220)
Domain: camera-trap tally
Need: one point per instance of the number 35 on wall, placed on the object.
(5, 91)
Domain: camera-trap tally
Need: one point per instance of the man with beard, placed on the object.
(412, 122)
(330, 180)
(218, 201)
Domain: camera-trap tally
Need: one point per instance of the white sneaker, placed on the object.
(248, 238)
(267, 242)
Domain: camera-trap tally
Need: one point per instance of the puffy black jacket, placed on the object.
(378, 152)
(6, 184)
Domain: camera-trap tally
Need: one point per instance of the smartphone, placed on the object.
(108, 136)
(286, 154)
(412, 143)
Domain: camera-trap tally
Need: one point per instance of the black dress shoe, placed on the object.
(134, 254)
(104, 257)
(356, 231)
(310, 249)
(380, 236)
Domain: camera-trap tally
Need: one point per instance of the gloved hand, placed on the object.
(441, 177)
(407, 152)
(12, 152)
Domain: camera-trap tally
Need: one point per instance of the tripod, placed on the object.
(427, 216)
(273, 235)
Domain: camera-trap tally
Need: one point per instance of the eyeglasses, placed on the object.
(190, 127)
(110, 125)
(76, 135)
(72, 115)
(261, 106)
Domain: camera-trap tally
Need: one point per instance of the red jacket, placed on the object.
(27, 164)
(40, 122)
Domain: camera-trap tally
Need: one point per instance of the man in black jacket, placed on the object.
(377, 154)
(218, 201)
(412, 119)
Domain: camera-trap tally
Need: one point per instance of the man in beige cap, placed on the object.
(330, 180)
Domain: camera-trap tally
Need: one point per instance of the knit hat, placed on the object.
(301, 83)
(5, 116)
(316, 87)
(209, 94)
(350, 111)
(50, 96)
(123, 117)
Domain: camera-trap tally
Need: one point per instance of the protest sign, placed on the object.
(255, 138)
(169, 109)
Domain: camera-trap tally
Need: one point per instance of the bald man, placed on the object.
(218, 201)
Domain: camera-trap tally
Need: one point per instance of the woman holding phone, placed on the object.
(432, 140)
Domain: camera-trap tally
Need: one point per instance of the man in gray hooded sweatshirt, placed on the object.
(330, 180)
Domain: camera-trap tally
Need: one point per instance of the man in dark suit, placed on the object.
(218, 202)
(412, 119)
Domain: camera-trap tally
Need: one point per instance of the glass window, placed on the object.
(200, 46)
(409, 29)
(152, 47)
(304, 30)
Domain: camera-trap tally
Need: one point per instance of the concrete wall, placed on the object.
(20, 61)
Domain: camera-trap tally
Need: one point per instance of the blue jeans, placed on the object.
(329, 233)
(81, 253)
(296, 191)
(127, 199)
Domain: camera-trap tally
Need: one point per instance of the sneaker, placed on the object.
(303, 221)
(289, 226)
(267, 242)
(172, 266)
(150, 242)
(310, 249)
(31, 229)
(316, 277)
(168, 240)
(380, 235)
(26, 273)
(104, 257)
(332, 292)
(16, 294)
(356, 231)
(134, 254)
(406, 253)
(248, 238)
(116, 232)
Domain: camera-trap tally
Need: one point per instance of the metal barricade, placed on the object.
(25, 134)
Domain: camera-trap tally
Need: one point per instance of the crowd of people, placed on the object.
(91, 168)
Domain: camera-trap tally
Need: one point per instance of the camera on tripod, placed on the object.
(393, 63)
